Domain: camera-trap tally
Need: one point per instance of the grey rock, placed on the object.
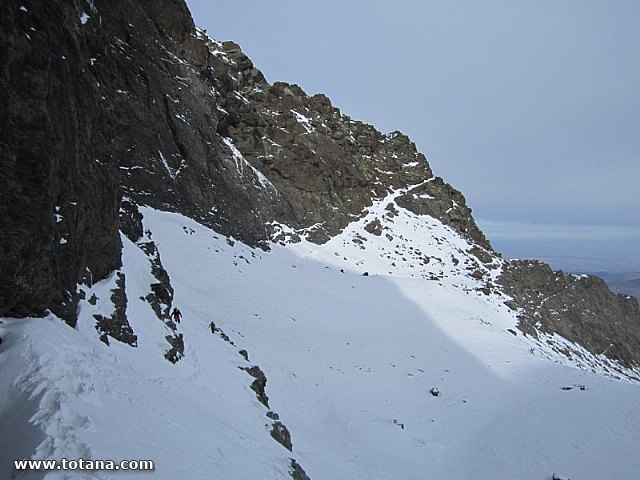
(280, 434)
(580, 308)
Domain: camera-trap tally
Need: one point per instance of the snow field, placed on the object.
(350, 361)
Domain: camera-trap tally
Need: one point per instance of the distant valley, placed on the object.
(626, 283)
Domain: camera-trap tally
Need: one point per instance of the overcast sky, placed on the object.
(531, 109)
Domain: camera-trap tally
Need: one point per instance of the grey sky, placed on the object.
(531, 109)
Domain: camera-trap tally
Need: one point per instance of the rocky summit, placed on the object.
(111, 106)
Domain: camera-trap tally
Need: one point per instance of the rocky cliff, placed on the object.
(110, 105)
(581, 308)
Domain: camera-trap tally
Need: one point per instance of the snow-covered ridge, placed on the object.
(350, 361)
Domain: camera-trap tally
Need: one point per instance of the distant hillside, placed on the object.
(626, 283)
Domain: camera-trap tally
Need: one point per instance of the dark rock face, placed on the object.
(58, 203)
(581, 309)
(130, 220)
(117, 326)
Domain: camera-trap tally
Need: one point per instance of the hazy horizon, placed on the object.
(572, 248)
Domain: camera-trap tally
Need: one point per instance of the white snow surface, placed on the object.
(169, 170)
(350, 362)
(304, 121)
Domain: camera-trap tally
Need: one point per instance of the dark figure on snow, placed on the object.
(177, 315)
(212, 326)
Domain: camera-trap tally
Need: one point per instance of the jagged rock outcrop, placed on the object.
(259, 384)
(280, 433)
(581, 308)
(297, 472)
(326, 167)
(176, 352)
(117, 326)
(160, 296)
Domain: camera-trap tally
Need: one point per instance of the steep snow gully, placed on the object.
(352, 335)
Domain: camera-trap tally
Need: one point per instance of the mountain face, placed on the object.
(147, 166)
(316, 370)
(108, 106)
(580, 308)
(131, 101)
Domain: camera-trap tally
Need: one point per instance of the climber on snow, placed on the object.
(212, 326)
(177, 315)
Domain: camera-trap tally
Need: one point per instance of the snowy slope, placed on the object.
(350, 361)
